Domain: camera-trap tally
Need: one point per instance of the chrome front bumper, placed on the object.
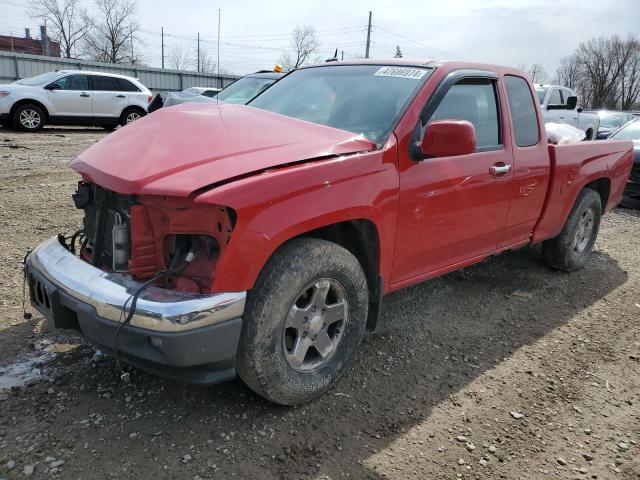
(158, 309)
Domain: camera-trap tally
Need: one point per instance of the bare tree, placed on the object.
(207, 65)
(569, 72)
(304, 45)
(603, 60)
(629, 88)
(398, 53)
(178, 57)
(537, 73)
(113, 31)
(65, 21)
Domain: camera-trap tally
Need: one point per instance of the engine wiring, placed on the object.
(133, 298)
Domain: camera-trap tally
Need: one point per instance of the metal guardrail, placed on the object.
(14, 66)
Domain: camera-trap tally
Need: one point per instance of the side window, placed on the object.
(555, 98)
(73, 82)
(474, 100)
(523, 111)
(565, 96)
(126, 85)
(102, 83)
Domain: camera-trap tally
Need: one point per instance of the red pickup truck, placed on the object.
(261, 239)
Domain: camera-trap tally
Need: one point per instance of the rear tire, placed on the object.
(571, 249)
(28, 117)
(131, 115)
(311, 297)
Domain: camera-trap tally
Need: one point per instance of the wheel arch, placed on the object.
(603, 187)
(132, 107)
(27, 101)
(361, 238)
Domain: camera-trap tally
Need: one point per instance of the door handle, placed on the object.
(497, 170)
(85, 95)
(120, 96)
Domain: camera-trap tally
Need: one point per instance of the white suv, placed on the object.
(73, 97)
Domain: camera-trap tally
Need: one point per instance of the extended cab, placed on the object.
(261, 239)
(560, 105)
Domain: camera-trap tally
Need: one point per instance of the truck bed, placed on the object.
(575, 165)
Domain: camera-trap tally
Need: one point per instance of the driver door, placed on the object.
(454, 209)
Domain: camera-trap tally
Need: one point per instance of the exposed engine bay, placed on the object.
(144, 235)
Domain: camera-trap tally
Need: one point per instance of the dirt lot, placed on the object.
(504, 370)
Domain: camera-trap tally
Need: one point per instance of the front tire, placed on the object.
(303, 321)
(571, 249)
(28, 117)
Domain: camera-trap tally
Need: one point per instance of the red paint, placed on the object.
(180, 149)
(283, 177)
(446, 138)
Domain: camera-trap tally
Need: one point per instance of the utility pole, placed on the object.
(11, 35)
(218, 62)
(366, 54)
(131, 38)
(198, 52)
(162, 37)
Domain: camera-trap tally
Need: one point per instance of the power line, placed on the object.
(392, 35)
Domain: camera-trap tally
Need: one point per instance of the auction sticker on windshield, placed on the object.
(401, 72)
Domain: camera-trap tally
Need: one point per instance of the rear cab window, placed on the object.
(555, 98)
(526, 130)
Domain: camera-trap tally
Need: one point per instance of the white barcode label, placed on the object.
(401, 72)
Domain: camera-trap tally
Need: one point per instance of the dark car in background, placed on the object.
(246, 88)
(241, 92)
(611, 120)
(205, 91)
(631, 131)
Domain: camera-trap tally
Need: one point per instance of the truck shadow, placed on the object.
(434, 339)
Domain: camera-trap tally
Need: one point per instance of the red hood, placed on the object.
(177, 150)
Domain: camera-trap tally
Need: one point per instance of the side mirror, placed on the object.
(572, 102)
(53, 86)
(448, 138)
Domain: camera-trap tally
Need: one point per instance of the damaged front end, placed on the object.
(144, 235)
(144, 273)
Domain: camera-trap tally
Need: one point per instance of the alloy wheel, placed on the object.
(315, 325)
(30, 118)
(583, 232)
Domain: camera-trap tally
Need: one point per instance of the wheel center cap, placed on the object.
(315, 325)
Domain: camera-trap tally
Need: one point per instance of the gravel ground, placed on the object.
(503, 370)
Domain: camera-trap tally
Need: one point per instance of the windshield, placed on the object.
(243, 90)
(541, 91)
(629, 132)
(364, 99)
(40, 79)
(610, 120)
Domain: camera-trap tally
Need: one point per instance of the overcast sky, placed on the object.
(254, 33)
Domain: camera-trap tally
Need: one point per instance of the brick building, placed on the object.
(33, 46)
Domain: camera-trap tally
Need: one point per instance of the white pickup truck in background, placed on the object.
(559, 105)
